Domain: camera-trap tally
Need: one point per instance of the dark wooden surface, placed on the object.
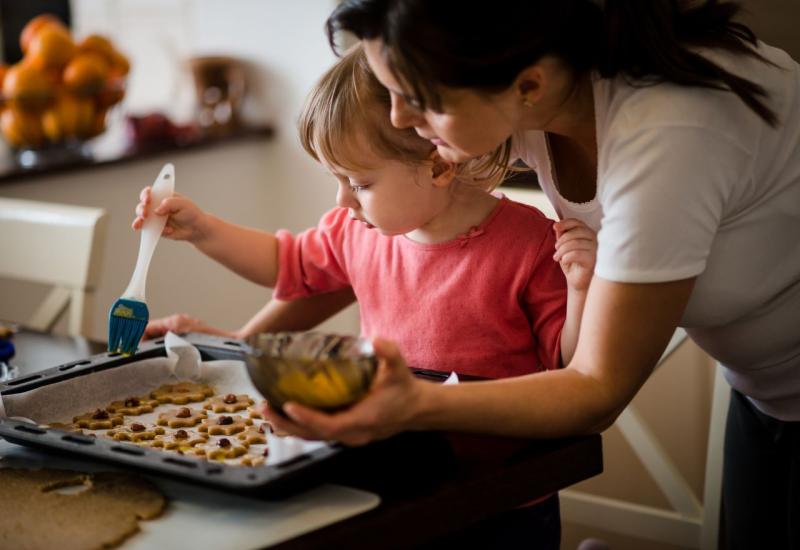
(430, 484)
(92, 155)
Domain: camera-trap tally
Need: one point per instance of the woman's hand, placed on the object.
(186, 221)
(181, 323)
(576, 251)
(387, 409)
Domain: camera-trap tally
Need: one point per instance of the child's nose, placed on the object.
(345, 198)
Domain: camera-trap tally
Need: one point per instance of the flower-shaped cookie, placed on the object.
(182, 393)
(255, 411)
(135, 432)
(229, 403)
(254, 435)
(133, 406)
(180, 440)
(183, 417)
(225, 425)
(220, 449)
(100, 419)
(253, 460)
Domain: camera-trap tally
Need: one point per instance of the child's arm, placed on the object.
(576, 251)
(251, 253)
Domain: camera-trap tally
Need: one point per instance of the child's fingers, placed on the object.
(572, 246)
(579, 257)
(145, 195)
(576, 236)
(169, 206)
(562, 226)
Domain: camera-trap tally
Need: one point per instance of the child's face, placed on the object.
(394, 197)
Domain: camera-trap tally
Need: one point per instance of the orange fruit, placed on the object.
(27, 88)
(50, 48)
(120, 66)
(98, 44)
(21, 129)
(98, 125)
(112, 93)
(68, 117)
(86, 117)
(86, 74)
(36, 24)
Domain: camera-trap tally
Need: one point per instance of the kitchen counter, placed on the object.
(112, 148)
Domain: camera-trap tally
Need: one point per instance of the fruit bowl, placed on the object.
(321, 371)
(61, 91)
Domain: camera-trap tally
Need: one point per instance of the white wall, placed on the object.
(267, 184)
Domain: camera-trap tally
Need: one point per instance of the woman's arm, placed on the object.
(623, 333)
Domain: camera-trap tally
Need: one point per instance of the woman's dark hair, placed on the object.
(485, 45)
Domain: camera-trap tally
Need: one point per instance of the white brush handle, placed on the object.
(153, 225)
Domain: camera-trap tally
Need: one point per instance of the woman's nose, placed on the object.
(402, 114)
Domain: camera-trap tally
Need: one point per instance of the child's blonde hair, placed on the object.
(349, 103)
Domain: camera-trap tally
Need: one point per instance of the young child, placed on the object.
(436, 261)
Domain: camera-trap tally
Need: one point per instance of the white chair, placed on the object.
(690, 523)
(57, 245)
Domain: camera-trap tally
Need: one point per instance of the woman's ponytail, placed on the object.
(655, 41)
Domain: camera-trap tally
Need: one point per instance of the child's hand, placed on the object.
(576, 251)
(186, 221)
(180, 323)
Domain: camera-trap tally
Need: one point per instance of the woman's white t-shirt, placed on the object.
(692, 183)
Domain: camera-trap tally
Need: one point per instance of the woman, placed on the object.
(669, 127)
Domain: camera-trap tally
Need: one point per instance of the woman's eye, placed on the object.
(357, 188)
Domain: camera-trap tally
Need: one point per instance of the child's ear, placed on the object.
(442, 171)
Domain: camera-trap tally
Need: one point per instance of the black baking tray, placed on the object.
(273, 481)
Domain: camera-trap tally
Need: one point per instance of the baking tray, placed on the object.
(275, 480)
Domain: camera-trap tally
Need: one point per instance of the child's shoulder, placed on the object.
(523, 215)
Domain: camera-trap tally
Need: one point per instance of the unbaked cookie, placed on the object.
(254, 435)
(220, 449)
(255, 412)
(229, 403)
(133, 406)
(106, 512)
(135, 432)
(225, 425)
(182, 393)
(183, 417)
(253, 460)
(98, 420)
(180, 440)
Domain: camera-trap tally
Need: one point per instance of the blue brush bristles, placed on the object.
(126, 323)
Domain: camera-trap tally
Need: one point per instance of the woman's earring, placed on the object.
(527, 102)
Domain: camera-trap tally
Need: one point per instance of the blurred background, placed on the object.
(216, 88)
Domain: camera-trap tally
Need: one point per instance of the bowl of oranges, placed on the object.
(59, 94)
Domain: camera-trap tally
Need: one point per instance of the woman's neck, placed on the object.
(573, 116)
(465, 206)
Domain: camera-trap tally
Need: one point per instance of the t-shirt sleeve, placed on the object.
(663, 192)
(546, 302)
(313, 261)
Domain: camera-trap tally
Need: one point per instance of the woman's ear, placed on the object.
(529, 84)
(442, 171)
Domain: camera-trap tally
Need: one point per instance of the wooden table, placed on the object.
(429, 483)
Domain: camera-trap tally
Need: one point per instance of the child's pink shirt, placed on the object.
(490, 303)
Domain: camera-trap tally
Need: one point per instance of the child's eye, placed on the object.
(357, 188)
